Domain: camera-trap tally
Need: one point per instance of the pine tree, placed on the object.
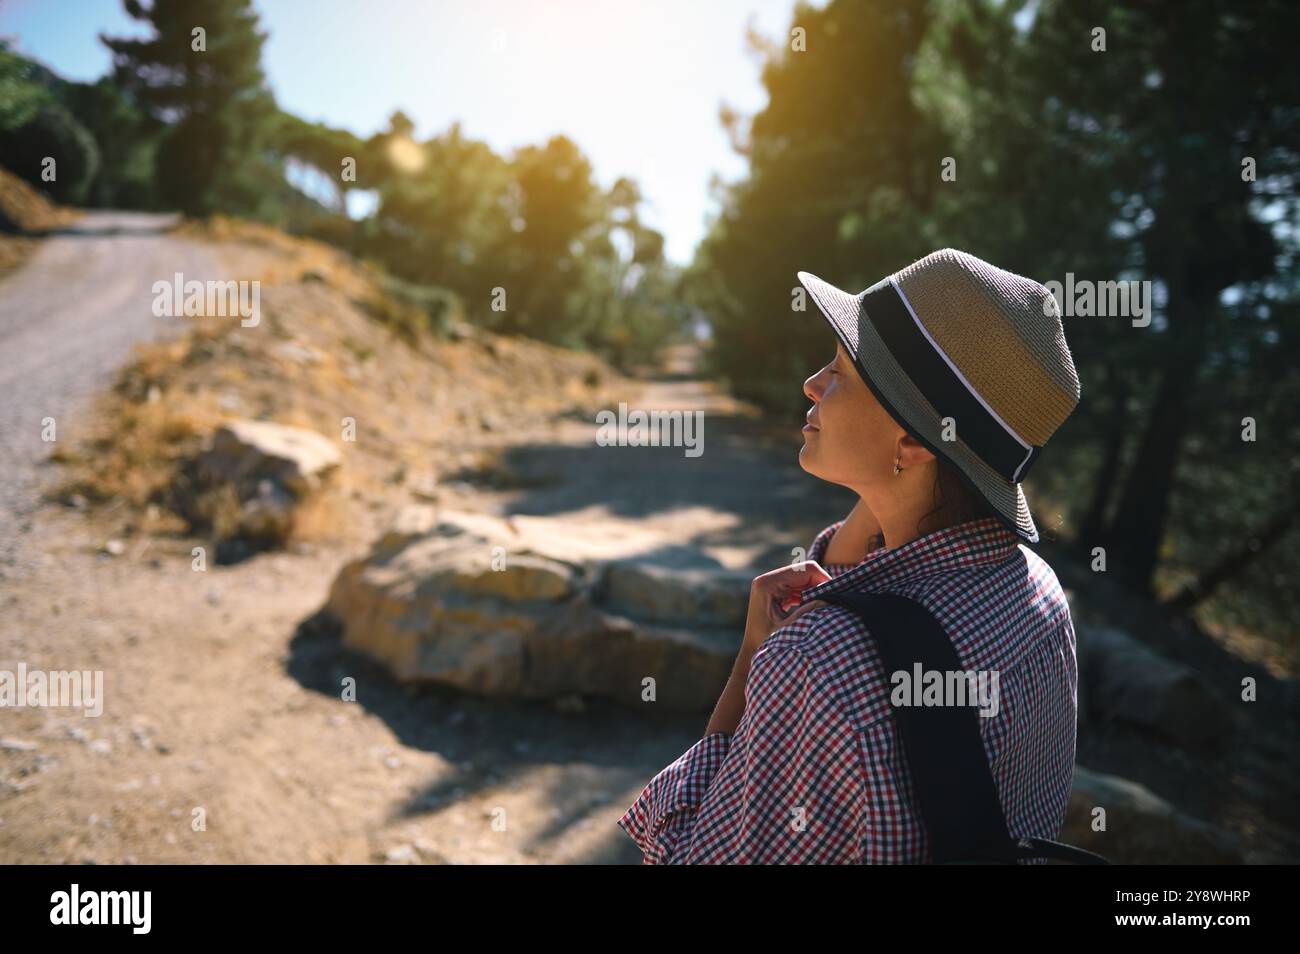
(201, 73)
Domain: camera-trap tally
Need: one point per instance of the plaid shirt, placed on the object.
(815, 772)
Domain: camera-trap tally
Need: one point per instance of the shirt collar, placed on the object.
(973, 543)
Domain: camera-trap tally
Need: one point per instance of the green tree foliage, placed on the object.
(1137, 153)
(322, 148)
(21, 94)
(843, 168)
(126, 138)
(624, 299)
(36, 127)
(53, 134)
(1122, 164)
(441, 205)
(210, 90)
(319, 151)
(1176, 134)
(558, 216)
(531, 243)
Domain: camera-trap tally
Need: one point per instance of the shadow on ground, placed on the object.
(603, 751)
(776, 506)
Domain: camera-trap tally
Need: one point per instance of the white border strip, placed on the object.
(1015, 479)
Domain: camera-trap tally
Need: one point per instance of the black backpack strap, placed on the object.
(945, 753)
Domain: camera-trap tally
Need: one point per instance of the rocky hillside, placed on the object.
(333, 355)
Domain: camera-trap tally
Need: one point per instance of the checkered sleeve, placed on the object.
(665, 808)
(789, 789)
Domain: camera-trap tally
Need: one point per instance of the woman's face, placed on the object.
(852, 440)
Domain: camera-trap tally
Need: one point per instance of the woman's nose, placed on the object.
(813, 387)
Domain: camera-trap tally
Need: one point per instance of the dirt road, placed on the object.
(68, 319)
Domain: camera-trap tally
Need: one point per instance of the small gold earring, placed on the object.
(897, 469)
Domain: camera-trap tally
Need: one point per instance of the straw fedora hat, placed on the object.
(969, 359)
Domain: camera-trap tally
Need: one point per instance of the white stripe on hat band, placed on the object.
(1029, 451)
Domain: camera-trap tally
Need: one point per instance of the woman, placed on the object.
(948, 378)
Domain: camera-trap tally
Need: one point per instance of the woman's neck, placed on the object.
(908, 511)
(857, 536)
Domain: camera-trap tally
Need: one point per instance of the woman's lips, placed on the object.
(808, 429)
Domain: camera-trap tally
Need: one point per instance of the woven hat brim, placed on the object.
(909, 407)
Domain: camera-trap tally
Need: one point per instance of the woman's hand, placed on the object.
(774, 599)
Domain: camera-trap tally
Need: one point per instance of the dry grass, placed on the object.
(134, 458)
(26, 213)
(15, 250)
(259, 252)
(25, 209)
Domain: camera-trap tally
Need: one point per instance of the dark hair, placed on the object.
(954, 501)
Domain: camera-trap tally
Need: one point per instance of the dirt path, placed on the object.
(221, 692)
(68, 319)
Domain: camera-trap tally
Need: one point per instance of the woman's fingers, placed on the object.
(796, 577)
(811, 571)
(777, 592)
(788, 586)
(774, 597)
(805, 608)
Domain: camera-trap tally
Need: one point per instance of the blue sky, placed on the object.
(636, 84)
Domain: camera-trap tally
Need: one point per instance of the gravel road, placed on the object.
(68, 319)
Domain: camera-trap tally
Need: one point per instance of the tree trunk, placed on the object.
(1139, 522)
(1092, 529)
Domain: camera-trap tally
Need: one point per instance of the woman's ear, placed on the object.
(911, 452)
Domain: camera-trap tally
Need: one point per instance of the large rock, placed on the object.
(591, 651)
(712, 597)
(249, 481)
(245, 453)
(450, 606)
(1120, 679)
(412, 521)
(485, 604)
(1141, 827)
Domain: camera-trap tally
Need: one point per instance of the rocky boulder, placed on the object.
(248, 482)
(1120, 679)
(712, 597)
(246, 453)
(498, 607)
(1141, 827)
